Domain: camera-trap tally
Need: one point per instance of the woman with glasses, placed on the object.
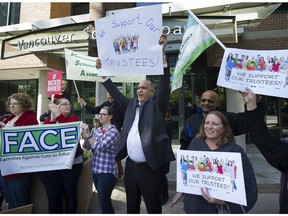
(59, 182)
(17, 187)
(104, 166)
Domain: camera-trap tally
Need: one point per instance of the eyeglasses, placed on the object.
(207, 100)
(102, 114)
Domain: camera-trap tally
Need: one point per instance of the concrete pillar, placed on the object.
(42, 105)
(101, 94)
(234, 102)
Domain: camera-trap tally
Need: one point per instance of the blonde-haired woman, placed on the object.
(216, 135)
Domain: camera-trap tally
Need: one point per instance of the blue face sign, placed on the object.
(36, 141)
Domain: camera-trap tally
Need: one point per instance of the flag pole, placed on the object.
(77, 92)
(205, 27)
(52, 98)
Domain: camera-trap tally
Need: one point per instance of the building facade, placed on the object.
(55, 26)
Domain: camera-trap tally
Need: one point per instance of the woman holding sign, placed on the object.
(65, 181)
(104, 166)
(216, 135)
(17, 187)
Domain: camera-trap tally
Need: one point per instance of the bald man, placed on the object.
(144, 141)
(209, 101)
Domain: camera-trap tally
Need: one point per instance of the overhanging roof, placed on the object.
(19, 29)
(245, 13)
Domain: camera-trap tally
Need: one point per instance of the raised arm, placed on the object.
(163, 90)
(121, 99)
(274, 150)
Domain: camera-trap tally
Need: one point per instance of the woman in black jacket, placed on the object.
(215, 135)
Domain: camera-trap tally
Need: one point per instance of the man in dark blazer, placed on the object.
(144, 139)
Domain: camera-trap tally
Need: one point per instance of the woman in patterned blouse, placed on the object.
(104, 167)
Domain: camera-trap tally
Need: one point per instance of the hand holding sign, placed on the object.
(54, 108)
(163, 41)
(250, 99)
(176, 197)
(209, 199)
(85, 130)
(98, 63)
(2, 124)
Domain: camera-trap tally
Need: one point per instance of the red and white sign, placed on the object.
(54, 83)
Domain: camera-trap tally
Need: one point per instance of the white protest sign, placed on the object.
(127, 42)
(264, 72)
(220, 172)
(38, 148)
(83, 67)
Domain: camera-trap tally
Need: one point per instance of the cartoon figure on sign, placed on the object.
(229, 66)
(126, 44)
(261, 63)
(229, 171)
(286, 81)
(269, 64)
(252, 66)
(234, 175)
(275, 65)
(238, 65)
(209, 167)
(184, 168)
(116, 48)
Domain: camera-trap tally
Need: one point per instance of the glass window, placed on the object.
(79, 8)
(14, 13)
(3, 13)
(9, 13)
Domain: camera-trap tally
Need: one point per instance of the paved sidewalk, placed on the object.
(267, 177)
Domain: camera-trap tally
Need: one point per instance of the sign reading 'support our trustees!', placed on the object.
(265, 72)
(220, 172)
(127, 42)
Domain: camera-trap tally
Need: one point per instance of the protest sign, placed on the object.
(53, 83)
(264, 72)
(127, 42)
(220, 172)
(83, 67)
(38, 148)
